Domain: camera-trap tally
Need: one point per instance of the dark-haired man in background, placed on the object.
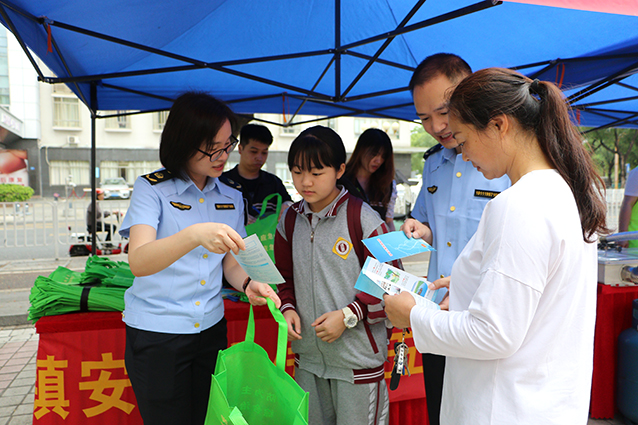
(257, 184)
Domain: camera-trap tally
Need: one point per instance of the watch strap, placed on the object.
(246, 283)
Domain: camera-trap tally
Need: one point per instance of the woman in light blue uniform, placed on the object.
(182, 222)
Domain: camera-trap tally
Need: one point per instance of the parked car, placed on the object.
(116, 188)
(292, 191)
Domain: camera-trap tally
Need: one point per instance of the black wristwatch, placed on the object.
(246, 283)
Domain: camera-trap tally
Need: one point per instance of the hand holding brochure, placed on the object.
(395, 245)
(383, 278)
(257, 263)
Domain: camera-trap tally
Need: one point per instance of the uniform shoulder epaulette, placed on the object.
(230, 182)
(158, 176)
(432, 150)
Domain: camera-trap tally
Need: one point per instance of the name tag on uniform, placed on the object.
(485, 193)
(224, 206)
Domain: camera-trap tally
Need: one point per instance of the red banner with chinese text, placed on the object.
(81, 379)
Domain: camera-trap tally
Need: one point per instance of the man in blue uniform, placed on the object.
(453, 193)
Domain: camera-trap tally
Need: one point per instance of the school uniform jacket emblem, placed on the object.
(180, 206)
(432, 189)
(158, 177)
(342, 248)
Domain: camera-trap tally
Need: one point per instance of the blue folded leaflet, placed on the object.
(394, 246)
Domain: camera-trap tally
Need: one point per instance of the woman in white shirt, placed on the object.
(519, 332)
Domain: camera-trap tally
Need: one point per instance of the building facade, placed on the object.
(51, 125)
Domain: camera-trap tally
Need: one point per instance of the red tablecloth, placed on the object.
(81, 377)
(613, 315)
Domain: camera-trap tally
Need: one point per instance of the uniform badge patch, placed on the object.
(432, 189)
(485, 193)
(180, 206)
(229, 182)
(342, 248)
(158, 177)
(224, 206)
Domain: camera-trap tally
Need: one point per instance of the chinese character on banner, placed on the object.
(49, 393)
(92, 386)
(106, 391)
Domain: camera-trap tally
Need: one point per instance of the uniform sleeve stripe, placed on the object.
(356, 309)
(286, 307)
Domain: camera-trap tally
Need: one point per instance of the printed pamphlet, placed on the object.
(377, 278)
(395, 245)
(257, 263)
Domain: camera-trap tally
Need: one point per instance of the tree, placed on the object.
(611, 149)
(419, 138)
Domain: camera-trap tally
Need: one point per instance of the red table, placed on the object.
(613, 315)
(81, 378)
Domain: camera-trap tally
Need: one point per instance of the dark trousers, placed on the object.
(103, 227)
(433, 370)
(171, 373)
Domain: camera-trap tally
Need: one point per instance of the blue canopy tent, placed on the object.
(329, 58)
(326, 58)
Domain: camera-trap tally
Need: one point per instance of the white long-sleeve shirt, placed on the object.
(519, 334)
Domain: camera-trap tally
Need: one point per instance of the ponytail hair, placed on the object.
(539, 108)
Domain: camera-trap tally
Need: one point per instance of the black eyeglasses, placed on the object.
(214, 155)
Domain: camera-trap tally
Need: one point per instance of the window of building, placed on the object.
(63, 172)
(283, 172)
(292, 130)
(129, 170)
(122, 122)
(66, 112)
(4, 69)
(60, 88)
(159, 120)
(389, 126)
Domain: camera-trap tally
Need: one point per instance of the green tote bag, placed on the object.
(247, 388)
(265, 227)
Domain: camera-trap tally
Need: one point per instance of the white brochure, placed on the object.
(257, 263)
(394, 281)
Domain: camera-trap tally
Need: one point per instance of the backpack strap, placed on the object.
(356, 235)
(289, 224)
(354, 227)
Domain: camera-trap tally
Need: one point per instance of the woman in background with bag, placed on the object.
(370, 173)
(182, 222)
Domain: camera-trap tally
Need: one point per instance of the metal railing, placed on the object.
(24, 224)
(45, 223)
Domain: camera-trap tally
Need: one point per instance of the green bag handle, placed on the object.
(264, 204)
(282, 333)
